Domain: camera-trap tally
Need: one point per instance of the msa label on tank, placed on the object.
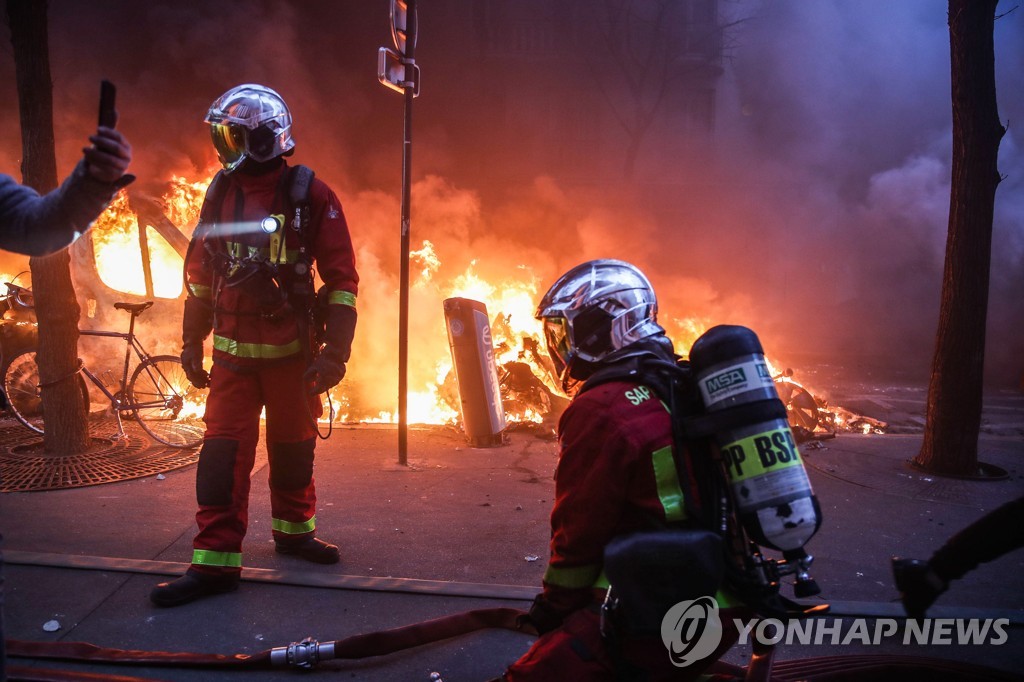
(735, 379)
(760, 454)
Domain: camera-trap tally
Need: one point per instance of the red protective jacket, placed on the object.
(615, 475)
(241, 335)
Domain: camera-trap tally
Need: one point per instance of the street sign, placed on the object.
(397, 73)
(403, 25)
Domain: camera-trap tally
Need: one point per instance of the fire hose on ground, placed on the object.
(303, 655)
(308, 653)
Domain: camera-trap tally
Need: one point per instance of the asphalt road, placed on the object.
(462, 528)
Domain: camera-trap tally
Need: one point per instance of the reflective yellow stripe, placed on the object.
(292, 527)
(669, 492)
(238, 250)
(727, 599)
(576, 577)
(200, 290)
(262, 351)
(342, 298)
(208, 557)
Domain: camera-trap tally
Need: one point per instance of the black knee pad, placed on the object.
(291, 464)
(215, 477)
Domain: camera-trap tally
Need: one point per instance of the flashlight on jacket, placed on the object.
(272, 223)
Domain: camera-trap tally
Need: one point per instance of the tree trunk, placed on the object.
(955, 390)
(57, 310)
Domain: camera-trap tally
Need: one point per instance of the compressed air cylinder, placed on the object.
(469, 336)
(770, 487)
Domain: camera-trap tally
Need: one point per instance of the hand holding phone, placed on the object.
(108, 157)
(108, 114)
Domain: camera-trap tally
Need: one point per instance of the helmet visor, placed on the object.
(229, 141)
(556, 335)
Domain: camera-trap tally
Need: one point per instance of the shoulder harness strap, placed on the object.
(300, 183)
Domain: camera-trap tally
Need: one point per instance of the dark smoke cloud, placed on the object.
(843, 135)
(816, 213)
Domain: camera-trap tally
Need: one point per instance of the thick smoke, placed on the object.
(844, 137)
(818, 218)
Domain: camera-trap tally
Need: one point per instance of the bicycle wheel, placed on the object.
(166, 405)
(21, 384)
(803, 408)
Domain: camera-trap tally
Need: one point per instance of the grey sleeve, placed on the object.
(39, 225)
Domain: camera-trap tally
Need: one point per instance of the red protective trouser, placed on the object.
(577, 651)
(229, 453)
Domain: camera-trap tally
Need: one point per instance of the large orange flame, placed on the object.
(119, 246)
(510, 301)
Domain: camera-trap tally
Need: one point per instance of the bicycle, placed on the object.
(158, 395)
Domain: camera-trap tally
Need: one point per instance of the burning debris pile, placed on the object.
(533, 401)
(812, 417)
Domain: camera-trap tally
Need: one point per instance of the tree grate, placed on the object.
(24, 467)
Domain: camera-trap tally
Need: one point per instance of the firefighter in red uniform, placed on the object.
(249, 273)
(616, 470)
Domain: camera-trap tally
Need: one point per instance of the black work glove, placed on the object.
(325, 372)
(196, 324)
(192, 363)
(542, 617)
(339, 328)
(196, 321)
(918, 583)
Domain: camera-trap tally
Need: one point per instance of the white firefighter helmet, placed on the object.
(250, 121)
(593, 311)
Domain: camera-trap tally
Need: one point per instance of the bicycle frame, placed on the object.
(154, 390)
(123, 400)
(132, 343)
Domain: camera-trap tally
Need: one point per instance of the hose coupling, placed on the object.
(304, 655)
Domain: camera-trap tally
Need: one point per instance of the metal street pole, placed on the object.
(403, 302)
(398, 71)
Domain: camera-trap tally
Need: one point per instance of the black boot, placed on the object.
(191, 586)
(310, 549)
(918, 583)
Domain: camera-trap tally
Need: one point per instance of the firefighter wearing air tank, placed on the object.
(263, 229)
(618, 471)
